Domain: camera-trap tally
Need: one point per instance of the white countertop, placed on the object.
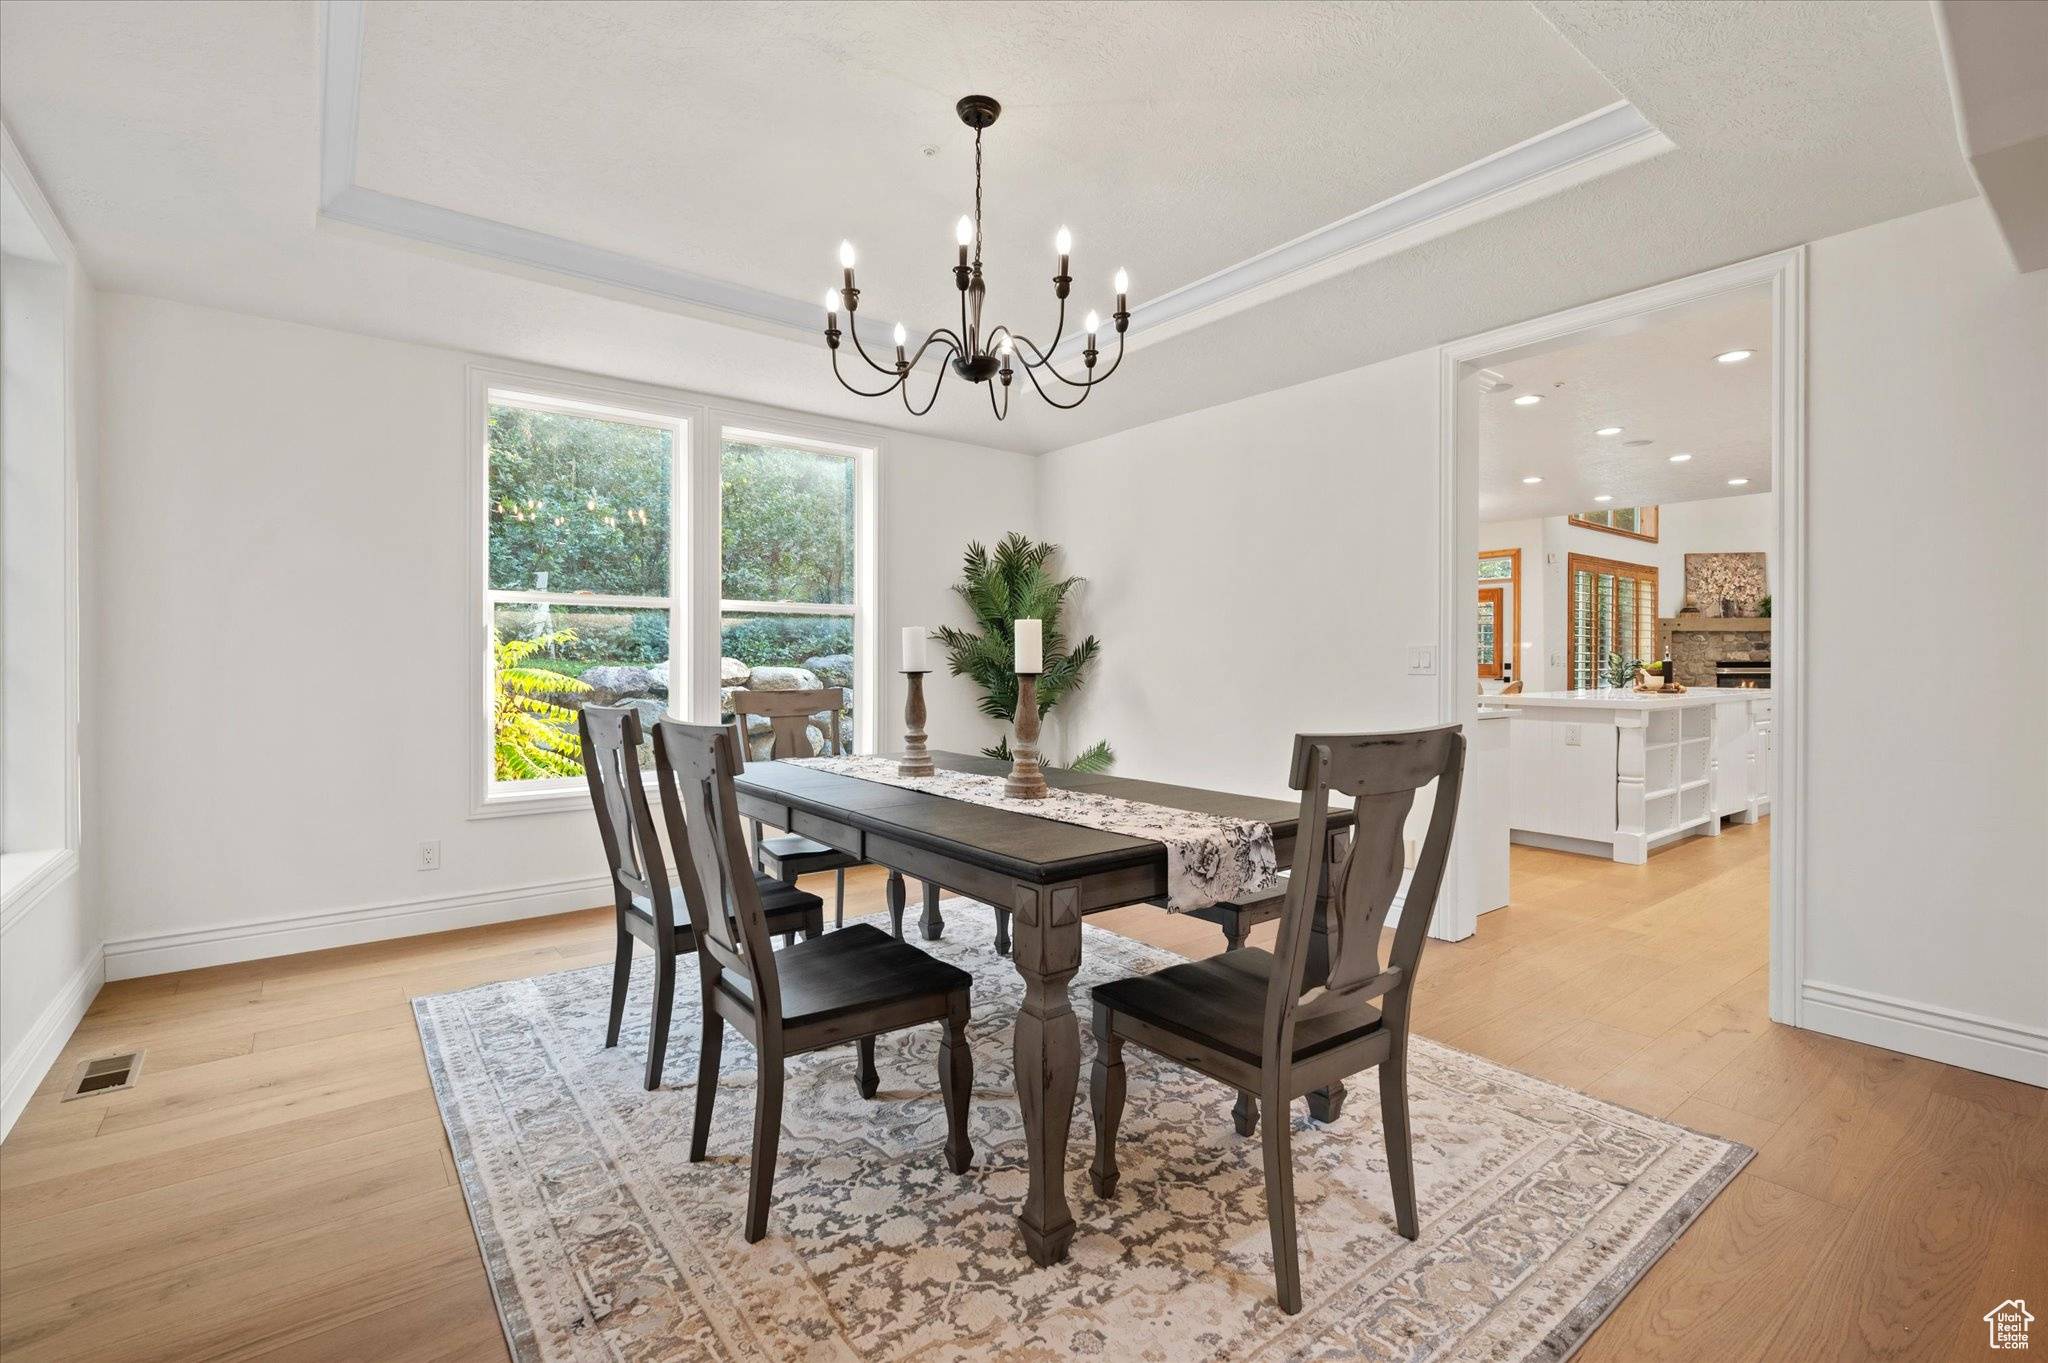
(1641, 700)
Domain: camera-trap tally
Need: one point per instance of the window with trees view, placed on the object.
(582, 573)
(786, 529)
(590, 544)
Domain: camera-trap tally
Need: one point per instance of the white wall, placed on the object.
(1716, 526)
(1255, 570)
(1927, 862)
(283, 707)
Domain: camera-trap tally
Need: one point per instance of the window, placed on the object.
(1500, 614)
(39, 626)
(1637, 522)
(1614, 611)
(788, 568)
(641, 552)
(583, 573)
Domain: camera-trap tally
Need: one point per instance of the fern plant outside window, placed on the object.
(599, 510)
(581, 551)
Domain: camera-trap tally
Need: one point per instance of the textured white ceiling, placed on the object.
(1660, 383)
(179, 142)
(742, 142)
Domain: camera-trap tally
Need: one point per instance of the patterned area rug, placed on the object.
(1540, 1206)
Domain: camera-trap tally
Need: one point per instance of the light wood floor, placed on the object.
(279, 1186)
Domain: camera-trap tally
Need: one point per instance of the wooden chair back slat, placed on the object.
(611, 766)
(695, 765)
(792, 715)
(1382, 773)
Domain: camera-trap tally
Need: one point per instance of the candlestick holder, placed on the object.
(916, 761)
(1026, 780)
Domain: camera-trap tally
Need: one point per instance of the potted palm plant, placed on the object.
(1016, 582)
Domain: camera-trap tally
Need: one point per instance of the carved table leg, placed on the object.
(934, 921)
(893, 891)
(1048, 953)
(1002, 932)
(1324, 1104)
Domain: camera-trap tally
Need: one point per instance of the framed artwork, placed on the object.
(1738, 580)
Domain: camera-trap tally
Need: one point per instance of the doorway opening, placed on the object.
(1622, 588)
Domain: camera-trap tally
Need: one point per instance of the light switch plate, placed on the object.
(1422, 660)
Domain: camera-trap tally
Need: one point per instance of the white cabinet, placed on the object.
(1618, 774)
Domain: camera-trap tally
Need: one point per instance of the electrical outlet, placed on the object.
(430, 855)
(1571, 735)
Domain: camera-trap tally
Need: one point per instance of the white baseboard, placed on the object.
(31, 1059)
(257, 939)
(2009, 1050)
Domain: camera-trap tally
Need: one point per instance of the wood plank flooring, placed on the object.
(279, 1186)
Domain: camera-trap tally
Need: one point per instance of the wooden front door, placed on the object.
(1492, 610)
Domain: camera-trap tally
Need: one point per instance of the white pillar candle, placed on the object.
(1031, 646)
(913, 649)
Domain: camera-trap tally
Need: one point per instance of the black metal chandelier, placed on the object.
(975, 354)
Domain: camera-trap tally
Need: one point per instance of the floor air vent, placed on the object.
(110, 1074)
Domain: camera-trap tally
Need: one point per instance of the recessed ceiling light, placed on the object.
(1738, 482)
(1608, 430)
(1734, 356)
(1603, 497)
(1528, 400)
(1680, 458)
(1532, 480)
(1638, 444)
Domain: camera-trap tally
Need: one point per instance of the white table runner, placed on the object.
(1210, 858)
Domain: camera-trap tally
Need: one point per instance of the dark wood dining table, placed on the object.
(1049, 875)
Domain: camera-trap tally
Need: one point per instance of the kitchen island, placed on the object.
(1616, 773)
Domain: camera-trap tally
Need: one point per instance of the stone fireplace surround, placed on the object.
(1698, 642)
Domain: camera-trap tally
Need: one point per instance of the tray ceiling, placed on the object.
(744, 143)
(182, 146)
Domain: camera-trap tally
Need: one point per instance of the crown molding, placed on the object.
(1585, 149)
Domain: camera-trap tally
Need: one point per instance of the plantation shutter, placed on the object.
(1613, 611)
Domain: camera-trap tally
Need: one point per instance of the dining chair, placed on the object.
(792, 716)
(855, 984)
(1239, 1018)
(641, 890)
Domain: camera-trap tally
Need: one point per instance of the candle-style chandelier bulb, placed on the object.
(978, 350)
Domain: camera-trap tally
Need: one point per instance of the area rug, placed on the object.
(1539, 1206)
